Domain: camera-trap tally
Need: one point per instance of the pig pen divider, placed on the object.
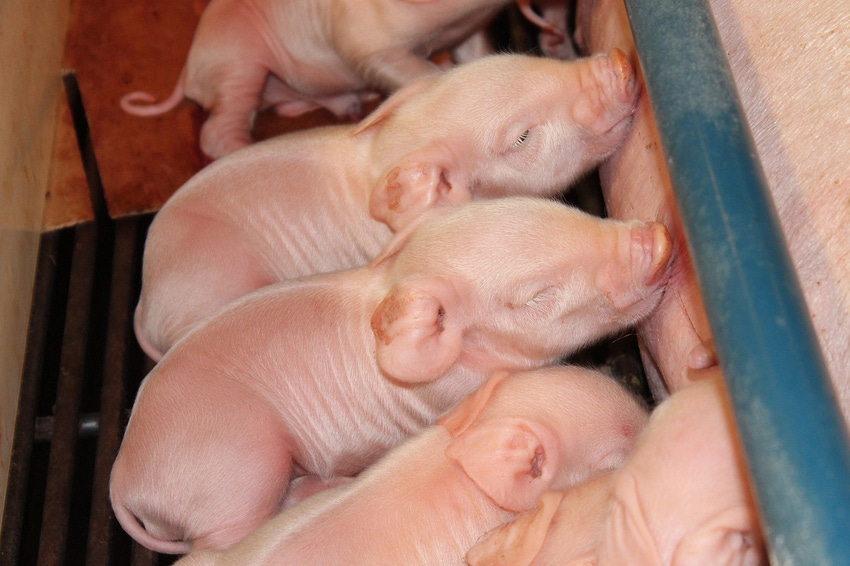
(793, 434)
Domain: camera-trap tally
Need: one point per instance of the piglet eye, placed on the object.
(521, 139)
(541, 296)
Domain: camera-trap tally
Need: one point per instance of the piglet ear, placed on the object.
(462, 416)
(512, 460)
(416, 184)
(417, 330)
(391, 104)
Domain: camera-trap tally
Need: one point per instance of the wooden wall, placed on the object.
(31, 42)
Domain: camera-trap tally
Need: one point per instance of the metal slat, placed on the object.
(143, 556)
(86, 147)
(19, 466)
(67, 408)
(792, 430)
(113, 392)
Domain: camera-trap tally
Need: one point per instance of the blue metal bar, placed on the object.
(792, 430)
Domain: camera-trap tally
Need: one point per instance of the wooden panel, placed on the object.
(30, 55)
(119, 46)
(67, 200)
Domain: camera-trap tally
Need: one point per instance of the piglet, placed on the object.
(681, 498)
(298, 55)
(316, 378)
(428, 501)
(329, 198)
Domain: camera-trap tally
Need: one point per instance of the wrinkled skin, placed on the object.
(429, 500)
(682, 497)
(330, 198)
(320, 376)
(790, 64)
(297, 55)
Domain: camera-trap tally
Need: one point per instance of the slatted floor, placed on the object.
(82, 369)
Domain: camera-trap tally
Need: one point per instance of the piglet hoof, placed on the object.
(217, 140)
(557, 46)
(355, 112)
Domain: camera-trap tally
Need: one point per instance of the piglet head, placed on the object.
(513, 283)
(545, 429)
(500, 126)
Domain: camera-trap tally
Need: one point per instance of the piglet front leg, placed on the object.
(228, 127)
(553, 37)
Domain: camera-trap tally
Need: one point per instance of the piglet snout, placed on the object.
(627, 86)
(652, 242)
(610, 97)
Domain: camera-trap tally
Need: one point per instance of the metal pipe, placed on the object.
(790, 425)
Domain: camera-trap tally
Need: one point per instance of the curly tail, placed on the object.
(140, 103)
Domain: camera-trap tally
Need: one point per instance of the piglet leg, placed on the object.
(228, 127)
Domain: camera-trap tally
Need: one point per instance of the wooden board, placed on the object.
(116, 47)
